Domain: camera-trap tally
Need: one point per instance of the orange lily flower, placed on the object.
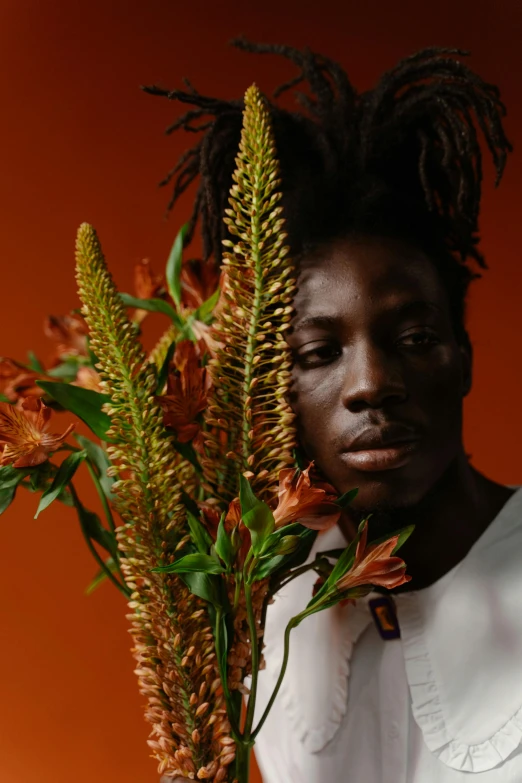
(16, 381)
(24, 436)
(69, 332)
(299, 501)
(147, 285)
(187, 391)
(375, 565)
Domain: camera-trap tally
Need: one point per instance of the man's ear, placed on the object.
(466, 357)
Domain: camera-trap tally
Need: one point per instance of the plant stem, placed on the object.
(237, 592)
(295, 573)
(101, 493)
(293, 622)
(242, 766)
(106, 509)
(254, 642)
(121, 587)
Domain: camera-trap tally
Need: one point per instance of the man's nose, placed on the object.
(373, 379)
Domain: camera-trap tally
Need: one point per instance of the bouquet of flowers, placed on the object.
(209, 509)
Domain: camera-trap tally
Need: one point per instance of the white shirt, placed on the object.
(442, 704)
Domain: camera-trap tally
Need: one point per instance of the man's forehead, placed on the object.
(356, 270)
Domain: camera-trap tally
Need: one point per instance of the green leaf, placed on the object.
(204, 311)
(93, 527)
(11, 477)
(345, 500)
(198, 562)
(198, 533)
(3, 398)
(6, 497)
(341, 567)
(174, 264)
(65, 473)
(41, 476)
(34, 363)
(204, 586)
(256, 515)
(164, 371)
(224, 547)
(84, 403)
(260, 521)
(153, 306)
(101, 576)
(97, 456)
(247, 498)
(267, 567)
(67, 370)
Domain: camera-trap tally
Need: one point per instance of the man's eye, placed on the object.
(420, 338)
(317, 354)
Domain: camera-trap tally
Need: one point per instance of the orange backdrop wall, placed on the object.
(79, 141)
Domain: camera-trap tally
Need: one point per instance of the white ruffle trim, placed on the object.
(428, 712)
(316, 728)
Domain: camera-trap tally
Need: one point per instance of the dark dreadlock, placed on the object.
(403, 159)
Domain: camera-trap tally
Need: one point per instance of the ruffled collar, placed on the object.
(462, 645)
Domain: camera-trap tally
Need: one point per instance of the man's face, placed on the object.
(379, 378)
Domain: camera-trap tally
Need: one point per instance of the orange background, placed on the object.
(79, 142)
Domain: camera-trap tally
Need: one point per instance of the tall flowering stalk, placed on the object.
(250, 420)
(196, 457)
(173, 640)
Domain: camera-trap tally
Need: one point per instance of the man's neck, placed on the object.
(447, 522)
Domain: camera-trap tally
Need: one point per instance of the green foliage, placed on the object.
(345, 500)
(224, 547)
(256, 515)
(198, 533)
(84, 403)
(7, 496)
(93, 528)
(153, 306)
(174, 265)
(98, 457)
(101, 576)
(64, 475)
(204, 564)
(34, 363)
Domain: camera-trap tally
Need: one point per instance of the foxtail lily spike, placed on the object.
(174, 647)
(250, 424)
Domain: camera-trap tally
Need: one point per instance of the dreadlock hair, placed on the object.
(402, 160)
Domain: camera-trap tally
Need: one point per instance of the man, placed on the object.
(382, 194)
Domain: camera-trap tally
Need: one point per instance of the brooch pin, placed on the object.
(385, 617)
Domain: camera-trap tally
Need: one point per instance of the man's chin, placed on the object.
(386, 494)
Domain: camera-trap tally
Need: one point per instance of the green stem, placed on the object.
(102, 495)
(292, 624)
(254, 642)
(242, 764)
(121, 587)
(106, 509)
(237, 592)
(297, 572)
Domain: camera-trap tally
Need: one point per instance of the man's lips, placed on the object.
(387, 457)
(382, 448)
